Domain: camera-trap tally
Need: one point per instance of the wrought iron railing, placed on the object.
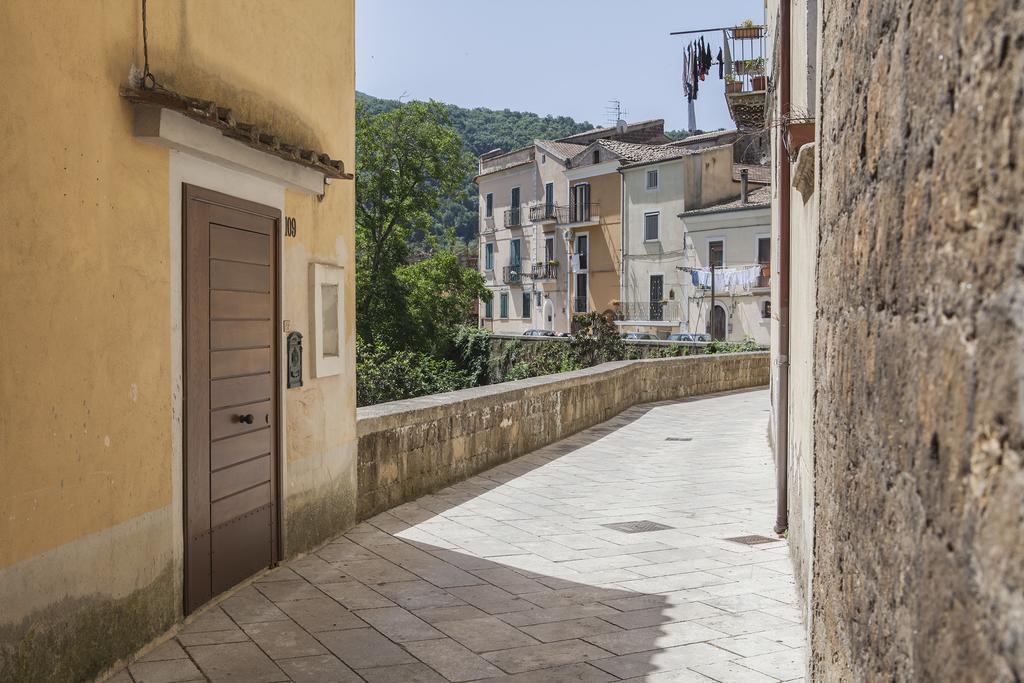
(545, 212)
(513, 217)
(487, 225)
(580, 213)
(653, 311)
(746, 72)
(513, 272)
(544, 271)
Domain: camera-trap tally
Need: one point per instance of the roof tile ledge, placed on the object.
(222, 119)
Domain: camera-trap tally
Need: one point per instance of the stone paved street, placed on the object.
(514, 574)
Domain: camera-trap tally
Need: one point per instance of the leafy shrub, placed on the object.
(384, 374)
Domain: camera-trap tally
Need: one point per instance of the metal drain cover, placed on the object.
(679, 438)
(637, 527)
(752, 540)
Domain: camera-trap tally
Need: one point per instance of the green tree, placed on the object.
(408, 159)
(439, 297)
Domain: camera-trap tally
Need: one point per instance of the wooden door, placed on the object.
(231, 379)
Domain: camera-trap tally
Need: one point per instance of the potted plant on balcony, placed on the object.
(553, 262)
(746, 30)
(732, 84)
(758, 80)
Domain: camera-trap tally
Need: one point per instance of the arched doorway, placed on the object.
(549, 315)
(718, 325)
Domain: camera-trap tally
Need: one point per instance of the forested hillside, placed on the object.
(483, 130)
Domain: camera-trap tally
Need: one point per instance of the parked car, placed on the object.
(539, 333)
(691, 337)
(637, 336)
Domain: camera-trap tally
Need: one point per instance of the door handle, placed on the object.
(245, 419)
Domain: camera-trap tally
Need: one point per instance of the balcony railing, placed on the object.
(650, 311)
(545, 212)
(579, 304)
(544, 271)
(581, 213)
(487, 225)
(513, 272)
(746, 76)
(513, 217)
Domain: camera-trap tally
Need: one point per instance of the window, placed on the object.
(597, 156)
(766, 309)
(513, 212)
(657, 293)
(543, 158)
(651, 226)
(581, 250)
(504, 305)
(764, 251)
(716, 253)
(549, 200)
(488, 256)
(580, 304)
(579, 203)
(526, 304)
(489, 205)
(515, 256)
(489, 308)
(537, 295)
(549, 249)
(652, 179)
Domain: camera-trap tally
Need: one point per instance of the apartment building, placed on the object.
(539, 211)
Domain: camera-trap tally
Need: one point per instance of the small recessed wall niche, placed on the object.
(328, 299)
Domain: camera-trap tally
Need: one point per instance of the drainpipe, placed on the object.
(782, 414)
(622, 238)
(744, 176)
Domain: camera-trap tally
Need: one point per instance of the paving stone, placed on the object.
(435, 615)
(452, 660)
(278, 574)
(249, 605)
(120, 677)
(284, 639)
(547, 615)
(398, 624)
(663, 615)
(318, 669)
(664, 636)
(210, 619)
(281, 591)
(316, 570)
(364, 648)
(231, 635)
(236, 662)
(516, 660)
(509, 580)
(418, 595)
(566, 630)
(321, 614)
(373, 572)
(749, 645)
(402, 673)
(732, 672)
(485, 634)
(169, 671)
(664, 659)
(784, 665)
(354, 595)
(168, 650)
(491, 599)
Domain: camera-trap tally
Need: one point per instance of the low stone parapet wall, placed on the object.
(413, 447)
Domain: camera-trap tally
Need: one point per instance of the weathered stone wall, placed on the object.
(919, 526)
(410, 448)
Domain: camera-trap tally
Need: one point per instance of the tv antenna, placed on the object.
(614, 113)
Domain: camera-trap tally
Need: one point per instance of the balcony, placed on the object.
(579, 213)
(545, 271)
(514, 217)
(513, 273)
(543, 213)
(746, 78)
(650, 311)
(487, 225)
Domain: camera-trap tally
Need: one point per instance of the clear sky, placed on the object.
(561, 57)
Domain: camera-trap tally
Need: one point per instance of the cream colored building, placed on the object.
(162, 238)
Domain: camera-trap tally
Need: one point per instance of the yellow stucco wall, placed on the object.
(86, 261)
(605, 242)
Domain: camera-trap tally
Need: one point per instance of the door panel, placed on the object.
(231, 380)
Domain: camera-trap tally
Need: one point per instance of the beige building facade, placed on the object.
(165, 236)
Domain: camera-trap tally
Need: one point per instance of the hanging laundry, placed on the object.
(720, 64)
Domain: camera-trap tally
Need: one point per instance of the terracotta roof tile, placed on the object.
(755, 174)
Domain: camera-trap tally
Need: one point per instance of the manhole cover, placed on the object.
(752, 540)
(679, 438)
(638, 526)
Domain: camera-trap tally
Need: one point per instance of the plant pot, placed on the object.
(733, 87)
(758, 83)
(744, 67)
(742, 32)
